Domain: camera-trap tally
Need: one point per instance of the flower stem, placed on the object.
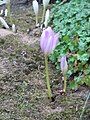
(65, 78)
(8, 8)
(44, 9)
(47, 77)
(36, 19)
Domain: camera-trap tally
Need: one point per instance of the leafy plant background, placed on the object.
(72, 21)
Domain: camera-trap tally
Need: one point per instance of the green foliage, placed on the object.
(72, 21)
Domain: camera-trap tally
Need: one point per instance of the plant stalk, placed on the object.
(9, 12)
(47, 77)
(8, 7)
(36, 20)
(65, 83)
(44, 9)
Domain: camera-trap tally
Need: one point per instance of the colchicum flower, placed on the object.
(64, 66)
(4, 23)
(36, 8)
(45, 4)
(1, 12)
(46, 18)
(48, 40)
(6, 13)
(13, 28)
(3, 2)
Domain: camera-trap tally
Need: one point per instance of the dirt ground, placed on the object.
(23, 92)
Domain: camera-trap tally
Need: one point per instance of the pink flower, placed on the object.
(64, 65)
(48, 40)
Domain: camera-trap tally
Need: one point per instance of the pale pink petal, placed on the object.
(51, 32)
(64, 65)
(48, 40)
(48, 47)
(55, 40)
(44, 39)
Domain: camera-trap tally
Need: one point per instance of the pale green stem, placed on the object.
(47, 77)
(8, 8)
(84, 106)
(65, 82)
(36, 19)
(44, 9)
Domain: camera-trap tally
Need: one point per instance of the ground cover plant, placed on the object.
(72, 21)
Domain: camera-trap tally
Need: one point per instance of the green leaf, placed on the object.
(72, 21)
(83, 57)
(73, 85)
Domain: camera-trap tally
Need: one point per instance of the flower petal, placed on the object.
(48, 40)
(48, 47)
(56, 40)
(35, 6)
(64, 66)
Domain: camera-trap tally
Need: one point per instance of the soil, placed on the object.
(23, 92)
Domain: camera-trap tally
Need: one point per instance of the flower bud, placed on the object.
(35, 7)
(1, 12)
(46, 18)
(13, 28)
(48, 40)
(64, 65)
(4, 23)
(6, 11)
(45, 3)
